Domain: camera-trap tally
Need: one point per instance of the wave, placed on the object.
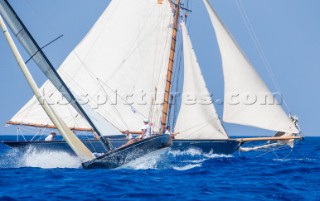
(149, 161)
(161, 159)
(173, 159)
(39, 158)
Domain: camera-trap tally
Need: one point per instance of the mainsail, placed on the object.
(242, 82)
(119, 68)
(197, 119)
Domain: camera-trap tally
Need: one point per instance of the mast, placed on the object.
(47, 67)
(76, 145)
(170, 68)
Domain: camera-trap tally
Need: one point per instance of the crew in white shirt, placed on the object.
(50, 137)
(146, 129)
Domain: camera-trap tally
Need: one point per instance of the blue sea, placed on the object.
(280, 174)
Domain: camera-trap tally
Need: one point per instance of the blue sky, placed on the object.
(288, 31)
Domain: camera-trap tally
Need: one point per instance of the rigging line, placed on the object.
(163, 71)
(177, 72)
(72, 83)
(121, 118)
(40, 133)
(177, 77)
(74, 118)
(155, 108)
(205, 123)
(172, 99)
(92, 99)
(272, 150)
(37, 133)
(285, 156)
(123, 99)
(115, 109)
(19, 131)
(160, 49)
(97, 82)
(41, 48)
(258, 46)
(280, 147)
(197, 130)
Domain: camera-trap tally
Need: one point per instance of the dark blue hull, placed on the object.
(126, 154)
(207, 146)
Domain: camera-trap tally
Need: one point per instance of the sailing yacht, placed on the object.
(124, 67)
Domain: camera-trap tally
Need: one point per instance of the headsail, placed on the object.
(106, 67)
(246, 95)
(197, 119)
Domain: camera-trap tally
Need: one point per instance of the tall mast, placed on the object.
(170, 68)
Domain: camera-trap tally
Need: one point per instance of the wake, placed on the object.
(176, 160)
(159, 160)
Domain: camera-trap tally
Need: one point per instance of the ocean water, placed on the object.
(281, 174)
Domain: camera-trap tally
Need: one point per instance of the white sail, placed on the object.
(197, 119)
(245, 92)
(123, 59)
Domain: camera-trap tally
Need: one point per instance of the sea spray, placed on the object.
(49, 159)
(176, 160)
(32, 157)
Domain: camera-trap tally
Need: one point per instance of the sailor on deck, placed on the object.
(168, 131)
(50, 137)
(146, 129)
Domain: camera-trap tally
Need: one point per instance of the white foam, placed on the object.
(42, 159)
(177, 160)
(196, 152)
(218, 156)
(189, 152)
(187, 167)
(148, 161)
(50, 159)
(161, 159)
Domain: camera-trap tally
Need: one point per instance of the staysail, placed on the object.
(248, 101)
(197, 118)
(119, 68)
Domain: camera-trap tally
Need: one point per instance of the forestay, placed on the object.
(248, 101)
(197, 118)
(119, 68)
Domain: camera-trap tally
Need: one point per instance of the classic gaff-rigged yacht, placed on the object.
(111, 61)
(111, 158)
